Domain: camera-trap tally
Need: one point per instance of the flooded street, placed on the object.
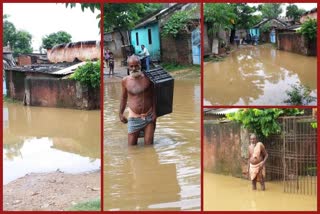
(257, 75)
(229, 194)
(163, 176)
(42, 140)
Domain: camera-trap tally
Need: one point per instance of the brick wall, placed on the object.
(177, 49)
(24, 60)
(296, 43)
(225, 150)
(66, 93)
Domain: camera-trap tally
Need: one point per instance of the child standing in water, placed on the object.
(111, 63)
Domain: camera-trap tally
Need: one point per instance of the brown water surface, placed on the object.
(164, 176)
(38, 139)
(257, 75)
(226, 193)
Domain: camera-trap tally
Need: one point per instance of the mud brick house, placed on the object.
(183, 49)
(312, 14)
(75, 51)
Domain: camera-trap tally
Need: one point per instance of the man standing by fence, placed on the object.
(256, 163)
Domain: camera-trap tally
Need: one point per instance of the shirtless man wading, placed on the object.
(256, 163)
(137, 90)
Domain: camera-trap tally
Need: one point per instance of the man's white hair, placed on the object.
(133, 57)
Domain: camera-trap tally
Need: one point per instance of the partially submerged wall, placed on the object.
(225, 148)
(66, 93)
(296, 43)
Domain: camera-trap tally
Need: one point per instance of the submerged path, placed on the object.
(257, 75)
(234, 194)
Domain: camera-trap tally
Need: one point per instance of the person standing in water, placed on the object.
(145, 53)
(256, 163)
(138, 91)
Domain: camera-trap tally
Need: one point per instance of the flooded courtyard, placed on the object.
(226, 193)
(43, 140)
(163, 176)
(257, 75)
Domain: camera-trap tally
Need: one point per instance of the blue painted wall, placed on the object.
(255, 32)
(196, 50)
(154, 47)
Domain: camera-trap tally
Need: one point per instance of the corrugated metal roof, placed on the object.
(221, 111)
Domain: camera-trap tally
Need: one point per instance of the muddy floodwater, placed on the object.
(257, 75)
(226, 193)
(40, 139)
(163, 176)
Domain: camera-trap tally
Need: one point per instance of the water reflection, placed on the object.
(165, 176)
(257, 75)
(46, 139)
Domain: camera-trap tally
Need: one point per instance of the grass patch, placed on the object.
(214, 59)
(170, 67)
(93, 205)
(9, 100)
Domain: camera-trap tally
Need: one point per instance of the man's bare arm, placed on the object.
(154, 102)
(123, 102)
(265, 155)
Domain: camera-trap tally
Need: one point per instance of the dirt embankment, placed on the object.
(51, 191)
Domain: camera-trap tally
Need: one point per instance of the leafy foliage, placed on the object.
(262, 122)
(294, 12)
(299, 95)
(314, 125)
(88, 74)
(270, 10)
(20, 40)
(309, 29)
(126, 16)
(219, 16)
(53, 39)
(176, 23)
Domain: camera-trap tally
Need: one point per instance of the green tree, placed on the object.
(294, 12)
(244, 16)
(20, 40)
(23, 42)
(122, 17)
(53, 39)
(270, 10)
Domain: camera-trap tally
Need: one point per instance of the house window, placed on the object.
(149, 36)
(137, 38)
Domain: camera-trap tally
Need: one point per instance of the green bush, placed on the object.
(263, 122)
(309, 29)
(299, 95)
(88, 74)
(177, 22)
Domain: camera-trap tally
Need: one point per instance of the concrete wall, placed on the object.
(225, 148)
(37, 89)
(81, 52)
(296, 43)
(177, 49)
(66, 93)
(112, 41)
(15, 84)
